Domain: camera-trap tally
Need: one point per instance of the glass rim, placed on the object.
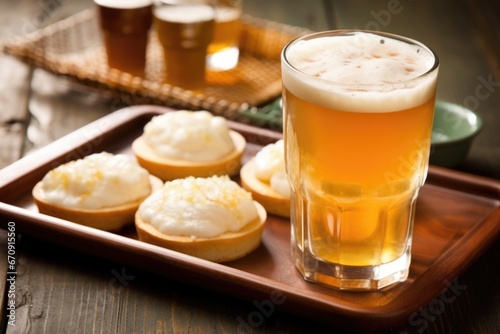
(344, 32)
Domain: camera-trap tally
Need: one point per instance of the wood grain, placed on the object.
(14, 117)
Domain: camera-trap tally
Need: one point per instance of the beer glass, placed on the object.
(358, 112)
(223, 52)
(125, 26)
(185, 29)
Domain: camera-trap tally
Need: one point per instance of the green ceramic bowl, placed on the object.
(453, 132)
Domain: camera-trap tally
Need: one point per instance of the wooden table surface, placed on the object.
(59, 290)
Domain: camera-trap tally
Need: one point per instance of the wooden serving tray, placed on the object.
(458, 217)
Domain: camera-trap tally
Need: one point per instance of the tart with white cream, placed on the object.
(102, 190)
(189, 143)
(265, 177)
(211, 218)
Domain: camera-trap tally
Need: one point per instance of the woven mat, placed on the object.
(74, 48)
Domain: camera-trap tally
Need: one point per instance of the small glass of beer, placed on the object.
(185, 28)
(358, 112)
(223, 52)
(125, 26)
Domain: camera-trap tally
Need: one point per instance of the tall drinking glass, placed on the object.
(185, 29)
(358, 112)
(223, 52)
(125, 26)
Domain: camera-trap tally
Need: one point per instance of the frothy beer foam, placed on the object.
(185, 14)
(225, 14)
(361, 72)
(124, 4)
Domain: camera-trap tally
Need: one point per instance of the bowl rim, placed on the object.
(477, 125)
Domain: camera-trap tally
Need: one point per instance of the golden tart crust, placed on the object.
(107, 219)
(262, 192)
(223, 248)
(170, 169)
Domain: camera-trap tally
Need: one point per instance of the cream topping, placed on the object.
(199, 207)
(270, 167)
(100, 180)
(195, 136)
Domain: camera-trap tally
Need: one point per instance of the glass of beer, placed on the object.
(125, 26)
(358, 112)
(223, 52)
(185, 28)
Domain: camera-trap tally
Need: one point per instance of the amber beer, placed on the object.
(125, 27)
(358, 113)
(185, 31)
(223, 52)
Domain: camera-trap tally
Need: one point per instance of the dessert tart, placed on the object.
(101, 190)
(210, 218)
(189, 143)
(265, 177)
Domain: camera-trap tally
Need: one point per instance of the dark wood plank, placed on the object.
(13, 105)
(57, 108)
(3, 276)
(18, 18)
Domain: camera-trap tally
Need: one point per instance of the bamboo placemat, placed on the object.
(74, 48)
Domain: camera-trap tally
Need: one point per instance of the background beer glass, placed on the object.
(358, 113)
(125, 26)
(185, 29)
(223, 52)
